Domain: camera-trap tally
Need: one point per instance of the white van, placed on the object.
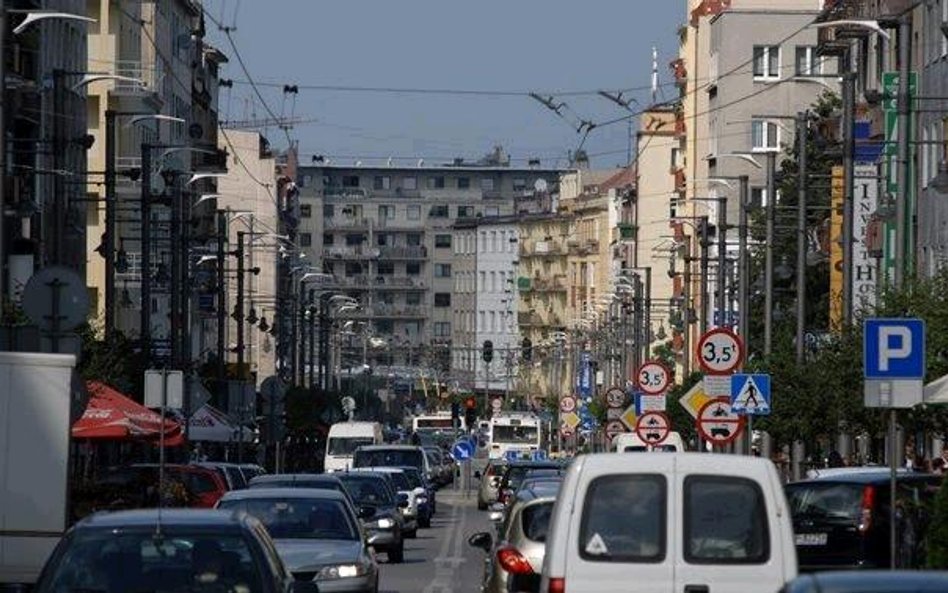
(629, 442)
(345, 438)
(669, 523)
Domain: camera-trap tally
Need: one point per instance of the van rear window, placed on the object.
(624, 519)
(725, 521)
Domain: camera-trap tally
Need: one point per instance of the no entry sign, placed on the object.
(718, 423)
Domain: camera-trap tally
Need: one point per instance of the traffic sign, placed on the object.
(649, 403)
(653, 427)
(567, 404)
(694, 399)
(614, 413)
(566, 430)
(720, 351)
(496, 404)
(571, 419)
(894, 349)
(750, 394)
(717, 385)
(652, 377)
(629, 416)
(616, 398)
(718, 423)
(615, 428)
(462, 450)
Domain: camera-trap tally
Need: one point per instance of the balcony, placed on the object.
(387, 282)
(585, 247)
(345, 193)
(355, 282)
(354, 252)
(529, 319)
(555, 284)
(403, 252)
(149, 91)
(385, 311)
(346, 223)
(542, 249)
(395, 224)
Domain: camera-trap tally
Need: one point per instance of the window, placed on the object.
(442, 270)
(464, 183)
(482, 321)
(492, 211)
(381, 182)
(306, 211)
(465, 211)
(765, 135)
(442, 329)
(443, 241)
(414, 212)
(329, 210)
(386, 268)
(384, 239)
(493, 281)
(758, 197)
(386, 212)
(808, 62)
(494, 246)
(439, 211)
(306, 239)
(487, 184)
(409, 183)
(493, 321)
(675, 156)
(350, 181)
(436, 182)
(767, 61)
(624, 519)
(385, 327)
(328, 238)
(353, 269)
(482, 285)
(442, 299)
(725, 521)
(519, 184)
(413, 239)
(944, 19)
(413, 268)
(352, 240)
(413, 298)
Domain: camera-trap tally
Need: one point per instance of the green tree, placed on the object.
(937, 536)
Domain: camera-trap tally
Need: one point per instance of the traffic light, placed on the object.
(526, 352)
(455, 415)
(488, 353)
(470, 412)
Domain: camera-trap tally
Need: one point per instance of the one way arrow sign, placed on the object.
(750, 394)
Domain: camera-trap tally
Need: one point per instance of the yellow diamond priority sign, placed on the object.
(628, 417)
(572, 419)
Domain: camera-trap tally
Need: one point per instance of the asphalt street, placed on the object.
(440, 560)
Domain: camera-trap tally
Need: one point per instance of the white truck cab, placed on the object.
(345, 438)
(629, 442)
(680, 522)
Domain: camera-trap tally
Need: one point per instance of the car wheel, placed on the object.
(397, 555)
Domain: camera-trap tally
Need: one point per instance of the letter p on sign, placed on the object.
(894, 349)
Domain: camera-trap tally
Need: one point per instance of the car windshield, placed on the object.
(298, 518)
(514, 434)
(825, 500)
(367, 490)
(388, 458)
(517, 473)
(413, 478)
(290, 483)
(101, 561)
(401, 482)
(347, 445)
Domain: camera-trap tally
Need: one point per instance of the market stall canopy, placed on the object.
(936, 392)
(111, 415)
(211, 425)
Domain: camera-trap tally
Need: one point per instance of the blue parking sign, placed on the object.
(894, 349)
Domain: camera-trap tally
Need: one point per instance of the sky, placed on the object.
(550, 47)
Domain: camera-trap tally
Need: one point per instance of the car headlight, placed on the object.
(385, 523)
(421, 499)
(342, 571)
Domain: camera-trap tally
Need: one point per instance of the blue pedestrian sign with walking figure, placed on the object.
(750, 394)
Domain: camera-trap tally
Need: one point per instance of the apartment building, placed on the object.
(486, 302)
(386, 235)
(933, 132)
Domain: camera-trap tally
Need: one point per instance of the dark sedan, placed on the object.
(869, 581)
(373, 491)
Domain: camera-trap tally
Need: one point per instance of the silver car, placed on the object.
(490, 483)
(317, 535)
(515, 560)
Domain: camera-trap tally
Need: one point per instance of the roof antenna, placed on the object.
(654, 75)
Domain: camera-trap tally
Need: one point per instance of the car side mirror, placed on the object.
(304, 587)
(482, 540)
(367, 512)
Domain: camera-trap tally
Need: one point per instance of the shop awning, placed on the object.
(111, 415)
(211, 425)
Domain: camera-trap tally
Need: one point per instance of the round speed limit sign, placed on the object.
(653, 378)
(720, 351)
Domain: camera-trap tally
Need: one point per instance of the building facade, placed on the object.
(933, 132)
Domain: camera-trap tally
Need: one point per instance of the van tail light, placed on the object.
(512, 561)
(557, 585)
(865, 510)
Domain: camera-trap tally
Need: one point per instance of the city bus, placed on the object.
(515, 435)
(436, 429)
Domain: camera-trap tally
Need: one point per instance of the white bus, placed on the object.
(515, 435)
(436, 422)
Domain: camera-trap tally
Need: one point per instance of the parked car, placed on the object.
(514, 473)
(515, 557)
(490, 483)
(185, 485)
(384, 524)
(251, 470)
(317, 534)
(416, 496)
(314, 481)
(416, 480)
(395, 456)
(870, 581)
(676, 521)
(233, 477)
(842, 520)
(203, 551)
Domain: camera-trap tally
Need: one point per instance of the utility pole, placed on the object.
(903, 203)
(849, 105)
(3, 156)
(801, 233)
(705, 264)
(686, 313)
(221, 298)
(146, 255)
(175, 285)
(769, 253)
(239, 309)
(721, 304)
(108, 239)
(743, 269)
(312, 336)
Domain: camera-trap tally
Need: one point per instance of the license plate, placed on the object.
(811, 539)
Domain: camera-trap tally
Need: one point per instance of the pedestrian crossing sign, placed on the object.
(750, 394)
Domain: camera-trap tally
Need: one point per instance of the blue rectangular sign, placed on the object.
(894, 349)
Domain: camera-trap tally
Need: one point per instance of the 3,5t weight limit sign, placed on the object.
(653, 378)
(720, 351)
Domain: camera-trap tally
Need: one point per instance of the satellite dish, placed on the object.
(540, 186)
(60, 290)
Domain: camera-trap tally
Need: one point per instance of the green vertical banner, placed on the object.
(890, 89)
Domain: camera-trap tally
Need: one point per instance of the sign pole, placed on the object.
(893, 469)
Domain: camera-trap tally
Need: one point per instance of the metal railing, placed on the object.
(151, 78)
